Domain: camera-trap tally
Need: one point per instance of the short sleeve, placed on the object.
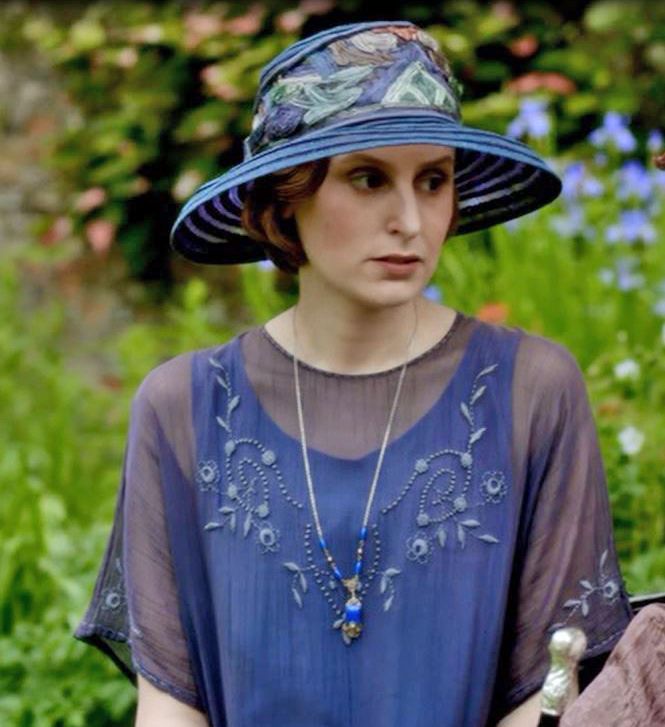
(133, 616)
(565, 570)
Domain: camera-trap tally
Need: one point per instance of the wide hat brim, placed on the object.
(497, 179)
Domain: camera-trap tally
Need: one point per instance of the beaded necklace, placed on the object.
(352, 624)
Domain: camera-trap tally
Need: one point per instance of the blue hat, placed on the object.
(354, 87)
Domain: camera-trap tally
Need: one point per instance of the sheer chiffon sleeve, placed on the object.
(566, 570)
(134, 614)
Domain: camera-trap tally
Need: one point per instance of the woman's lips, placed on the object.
(397, 266)
(399, 258)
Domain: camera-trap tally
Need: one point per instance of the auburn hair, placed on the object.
(266, 199)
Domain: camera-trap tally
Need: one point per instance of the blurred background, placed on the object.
(112, 113)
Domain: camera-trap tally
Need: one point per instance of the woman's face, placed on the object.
(373, 230)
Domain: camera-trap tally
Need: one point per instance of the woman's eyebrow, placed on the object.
(368, 158)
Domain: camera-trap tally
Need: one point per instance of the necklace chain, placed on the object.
(351, 625)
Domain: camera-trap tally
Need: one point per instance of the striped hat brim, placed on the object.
(497, 178)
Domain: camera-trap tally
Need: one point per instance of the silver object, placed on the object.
(352, 624)
(561, 687)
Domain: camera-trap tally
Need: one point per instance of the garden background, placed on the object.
(112, 113)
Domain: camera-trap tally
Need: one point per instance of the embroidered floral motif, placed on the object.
(604, 592)
(113, 595)
(251, 471)
(418, 548)
(449, 506)
(207, 475)
(493, 486)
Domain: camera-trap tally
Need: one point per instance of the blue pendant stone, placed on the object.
(353, 612)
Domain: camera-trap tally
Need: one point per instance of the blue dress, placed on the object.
(449, 542)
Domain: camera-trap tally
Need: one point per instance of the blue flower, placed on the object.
(614, 132)
(532, 120)
(578, 182)
(654, 141)
(265, 265)
(633, 226)
(634, 181)
(571, 179)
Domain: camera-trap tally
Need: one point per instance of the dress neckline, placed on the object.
(454, 326)
(281, 433)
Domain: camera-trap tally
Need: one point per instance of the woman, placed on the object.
(373, 509)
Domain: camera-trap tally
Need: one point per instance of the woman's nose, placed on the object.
(404, 213)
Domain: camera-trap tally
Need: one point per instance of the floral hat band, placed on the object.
(351, 88)
(390, 66)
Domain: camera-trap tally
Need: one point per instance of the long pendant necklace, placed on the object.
(352, 623)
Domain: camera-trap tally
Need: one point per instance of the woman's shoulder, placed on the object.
(168, 384)
(542, 364)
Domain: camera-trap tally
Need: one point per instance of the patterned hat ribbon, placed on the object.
(382, 67)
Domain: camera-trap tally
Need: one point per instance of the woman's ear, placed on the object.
(287, 211)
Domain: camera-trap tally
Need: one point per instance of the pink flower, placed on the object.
(537, 80)
(524, 46)
(247, 24)
(100, 234)
(290, 21)
(200, 27)
(212, 77)
(91, 198)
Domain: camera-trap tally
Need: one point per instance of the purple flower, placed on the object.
(633, 226)
(654, 141)
(634, 181)
(265, 265)
(532, 120)
(577, 181)
(614, 132)
(626, 277)
(571, 180)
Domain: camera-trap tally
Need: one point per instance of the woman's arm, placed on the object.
(159, 709)
(526, 715)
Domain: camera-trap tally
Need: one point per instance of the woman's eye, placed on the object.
(367, 180)
(435, 181)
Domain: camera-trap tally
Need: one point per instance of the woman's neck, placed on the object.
(352, 341)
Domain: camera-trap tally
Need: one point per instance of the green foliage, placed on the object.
(59, 473)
